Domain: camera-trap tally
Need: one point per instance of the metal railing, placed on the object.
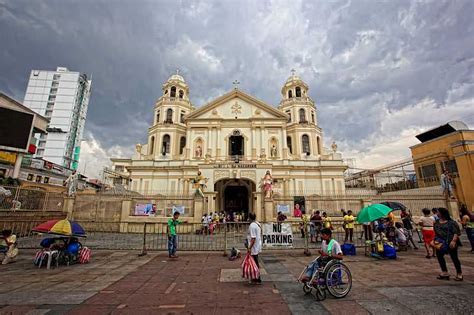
(191, 236)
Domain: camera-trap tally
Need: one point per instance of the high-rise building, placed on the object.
(63, 97)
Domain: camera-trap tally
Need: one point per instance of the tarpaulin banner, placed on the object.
(277, 235)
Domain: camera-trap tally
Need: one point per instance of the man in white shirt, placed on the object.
(254, 241)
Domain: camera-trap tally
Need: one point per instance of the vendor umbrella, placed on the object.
(394, 205)
(373, 212)
(61, 227)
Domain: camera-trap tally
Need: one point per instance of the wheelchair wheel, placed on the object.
(338, 280)
(307, 289)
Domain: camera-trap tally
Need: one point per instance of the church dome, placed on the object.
(176, 77)
(293, 78)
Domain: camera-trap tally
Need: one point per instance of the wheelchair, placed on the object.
(333, 277)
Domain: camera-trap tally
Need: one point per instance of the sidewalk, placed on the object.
(207, 283)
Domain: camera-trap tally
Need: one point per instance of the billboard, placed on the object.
(15, 130)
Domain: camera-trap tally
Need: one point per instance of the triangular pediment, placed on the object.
(236, 104)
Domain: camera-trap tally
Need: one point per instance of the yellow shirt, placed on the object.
(327, 222)
(349, 220)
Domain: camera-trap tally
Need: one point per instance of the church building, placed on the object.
(233, 141)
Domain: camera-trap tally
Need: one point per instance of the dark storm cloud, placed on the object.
(365, 61)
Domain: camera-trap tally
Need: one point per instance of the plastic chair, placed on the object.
(50, 255)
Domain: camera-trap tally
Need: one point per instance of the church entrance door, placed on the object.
(234, 196)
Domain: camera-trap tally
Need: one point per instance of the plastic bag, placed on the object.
(249, 268)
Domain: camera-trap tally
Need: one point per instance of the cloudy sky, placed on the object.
(379, 71)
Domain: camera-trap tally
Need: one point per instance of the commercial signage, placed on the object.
(15, 130)
(8, 157)
(277, 235)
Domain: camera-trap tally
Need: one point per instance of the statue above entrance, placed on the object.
(274, 151)
(199, 183)
(267, 183)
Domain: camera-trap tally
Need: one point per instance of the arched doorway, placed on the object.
(235, 196)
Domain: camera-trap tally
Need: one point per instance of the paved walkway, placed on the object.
(207, 283)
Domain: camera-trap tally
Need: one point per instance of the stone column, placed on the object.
(254, 144)
(124, 214)
(268, 206)
(16, 169)
(198, 209)
(257, 205)
(218, 142)
(68, 207)
(211, 202)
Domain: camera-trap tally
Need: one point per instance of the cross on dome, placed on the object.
(236, 84)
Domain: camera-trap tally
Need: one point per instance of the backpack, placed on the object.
(389, 251)
(348, 249)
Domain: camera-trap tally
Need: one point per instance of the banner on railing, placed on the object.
(145, 209)
(277, 235)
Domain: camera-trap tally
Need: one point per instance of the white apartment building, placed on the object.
(63, 97)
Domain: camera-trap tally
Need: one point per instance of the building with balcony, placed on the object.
(62, 96)
(233, 141)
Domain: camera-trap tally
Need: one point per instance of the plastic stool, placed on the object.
(50, 254)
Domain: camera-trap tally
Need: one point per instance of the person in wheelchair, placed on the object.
(330, 249)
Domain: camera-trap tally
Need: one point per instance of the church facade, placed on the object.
(233, 141)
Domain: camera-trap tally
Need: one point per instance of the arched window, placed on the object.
(312, 118)
(157, 117)
(181, 93)
(152, 145)
(302, 115)
(165, 148)
(305, 144)
(166, 92)
(181, 117)
(173, 91)
(298, 91)
(182, 144)
(319, 145)
(288, 144)
(290, 94)
(169, 116)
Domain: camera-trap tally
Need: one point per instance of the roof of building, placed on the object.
(442, 130)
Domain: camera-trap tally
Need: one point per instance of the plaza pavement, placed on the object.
(120, 282)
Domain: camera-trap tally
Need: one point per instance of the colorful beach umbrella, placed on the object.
(61, 227)
(373, 212)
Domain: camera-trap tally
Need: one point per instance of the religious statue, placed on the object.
(199, 183)
(198, 151)
(138, 148)
(273, 152)
(267, 183)
(334, 147)
(71, 184)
